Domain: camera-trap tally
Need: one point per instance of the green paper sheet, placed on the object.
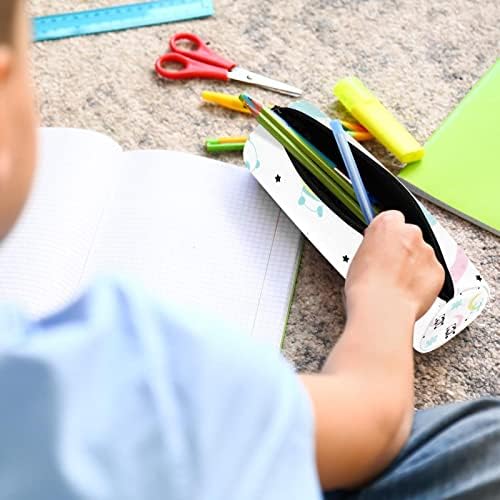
(461, 167)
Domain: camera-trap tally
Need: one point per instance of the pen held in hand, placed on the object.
(352, 169)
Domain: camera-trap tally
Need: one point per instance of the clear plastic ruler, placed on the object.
(119, 17)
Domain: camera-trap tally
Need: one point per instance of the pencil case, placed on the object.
(337, 234)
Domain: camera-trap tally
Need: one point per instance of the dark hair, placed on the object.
(7, 19)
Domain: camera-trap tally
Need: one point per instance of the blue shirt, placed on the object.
(121, 397)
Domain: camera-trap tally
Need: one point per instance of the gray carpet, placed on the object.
(420, 57)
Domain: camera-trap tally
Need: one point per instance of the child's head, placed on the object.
(17, 113)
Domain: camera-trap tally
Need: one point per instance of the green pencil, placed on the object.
(297, 153)
(316, 156)
(310, 159)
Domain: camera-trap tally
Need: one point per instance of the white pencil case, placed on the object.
(337, 234)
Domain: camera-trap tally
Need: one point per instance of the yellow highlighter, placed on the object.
(370, 112)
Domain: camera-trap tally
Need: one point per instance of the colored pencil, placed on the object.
(360, 136)
(355, 127)
(303, 144)
(223, 147)
(314, 161)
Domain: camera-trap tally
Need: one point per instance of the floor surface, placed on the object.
(420, 57)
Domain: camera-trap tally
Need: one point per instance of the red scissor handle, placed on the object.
(200, 52)
(190, 68)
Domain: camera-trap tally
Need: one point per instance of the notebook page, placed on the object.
(42, 260)
(279, 283)
(200, 233)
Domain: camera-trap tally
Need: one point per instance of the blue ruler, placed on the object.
(120, 17)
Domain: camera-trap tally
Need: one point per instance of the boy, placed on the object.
(118, 397)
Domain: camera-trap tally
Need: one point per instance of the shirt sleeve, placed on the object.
(121, 397)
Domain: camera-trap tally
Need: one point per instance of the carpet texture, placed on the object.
(419, 57)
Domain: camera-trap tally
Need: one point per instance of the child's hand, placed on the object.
(393, 264)
(363, 400)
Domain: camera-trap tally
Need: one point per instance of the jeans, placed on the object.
(453, 452)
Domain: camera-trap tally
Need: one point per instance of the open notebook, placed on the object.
(194, 231)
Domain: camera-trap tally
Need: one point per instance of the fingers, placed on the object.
(394, 260)
(436, 270)
(388, 218)
(394, 221)
(408, 238)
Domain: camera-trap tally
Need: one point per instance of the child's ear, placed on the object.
(5, 167)
(6, 59)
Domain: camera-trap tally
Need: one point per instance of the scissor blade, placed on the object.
(245, 76)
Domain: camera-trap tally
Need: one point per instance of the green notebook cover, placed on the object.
(461, 167)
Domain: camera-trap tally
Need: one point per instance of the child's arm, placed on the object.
(363, 400)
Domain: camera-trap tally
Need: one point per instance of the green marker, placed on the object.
(225, 144)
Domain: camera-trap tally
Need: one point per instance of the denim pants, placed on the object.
(453, 452)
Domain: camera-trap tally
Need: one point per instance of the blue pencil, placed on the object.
(352, 169)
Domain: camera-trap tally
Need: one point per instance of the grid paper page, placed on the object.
(279, 283)
(203, 234)
(42, 260)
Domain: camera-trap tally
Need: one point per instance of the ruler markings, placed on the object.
(119, 17)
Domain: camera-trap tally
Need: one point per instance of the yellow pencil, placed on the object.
(231, 140)
(226, 101)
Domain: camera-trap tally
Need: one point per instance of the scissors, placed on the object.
(201, 62)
